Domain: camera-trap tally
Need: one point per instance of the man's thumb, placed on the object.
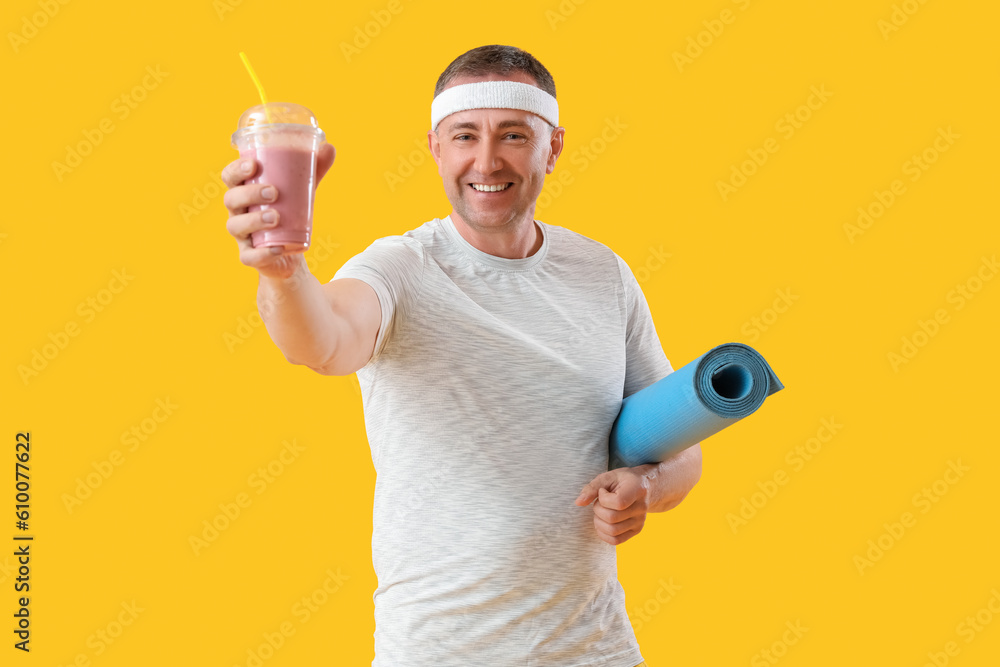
(587, 495)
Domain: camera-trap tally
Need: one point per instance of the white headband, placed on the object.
(494, 95)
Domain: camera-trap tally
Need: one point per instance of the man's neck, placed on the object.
(510, 242)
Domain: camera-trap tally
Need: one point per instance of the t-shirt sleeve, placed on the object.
(645, 360)
(394, 267)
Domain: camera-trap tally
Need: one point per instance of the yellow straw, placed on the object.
(256, 82)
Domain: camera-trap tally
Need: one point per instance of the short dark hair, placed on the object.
(496, 59)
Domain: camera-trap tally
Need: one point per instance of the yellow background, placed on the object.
(654, 189)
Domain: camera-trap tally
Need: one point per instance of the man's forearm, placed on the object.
(672, 479)
(298, 317)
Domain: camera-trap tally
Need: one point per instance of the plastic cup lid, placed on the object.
(281, 113)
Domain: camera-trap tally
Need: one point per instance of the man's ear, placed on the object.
(435, 145)
(555, 148)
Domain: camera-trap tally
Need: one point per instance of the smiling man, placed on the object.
(493, 352)
(493, 162)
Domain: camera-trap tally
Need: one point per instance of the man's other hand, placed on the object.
(620, 510)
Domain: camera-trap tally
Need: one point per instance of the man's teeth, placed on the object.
(490, 188)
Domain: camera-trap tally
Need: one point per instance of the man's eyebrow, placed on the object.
(502, 125)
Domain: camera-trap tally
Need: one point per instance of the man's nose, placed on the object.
(488, 158)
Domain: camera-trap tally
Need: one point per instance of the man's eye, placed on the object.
(462, 136)
(515, 135)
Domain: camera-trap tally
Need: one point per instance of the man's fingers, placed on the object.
(238, 171)
(618, 539)
(239, 198)
(243, 225)
(258, 257)
(620, 528)
(616, 516)
(615, 500)
(590, 491)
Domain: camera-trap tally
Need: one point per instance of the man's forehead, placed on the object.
(476, 119)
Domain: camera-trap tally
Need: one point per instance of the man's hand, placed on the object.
(620, 510)
(239, 198)
(625, 495)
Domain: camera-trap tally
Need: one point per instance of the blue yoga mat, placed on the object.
(719, 388)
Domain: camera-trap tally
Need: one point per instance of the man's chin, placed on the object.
(487, 219)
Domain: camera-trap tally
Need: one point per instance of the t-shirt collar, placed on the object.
(492, 260)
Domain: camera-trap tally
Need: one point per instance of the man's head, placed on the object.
(496, 59)
(507, 147)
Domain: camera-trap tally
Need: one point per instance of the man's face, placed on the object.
(508, 148)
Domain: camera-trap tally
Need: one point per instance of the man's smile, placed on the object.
(485, 187)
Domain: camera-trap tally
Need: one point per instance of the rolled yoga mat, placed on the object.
(719, 388)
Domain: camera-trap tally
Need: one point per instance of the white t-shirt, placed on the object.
(488, 402)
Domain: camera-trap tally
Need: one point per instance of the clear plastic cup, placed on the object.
(285, 149)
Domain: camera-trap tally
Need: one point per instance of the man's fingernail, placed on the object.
(267, 193)
(270, 217)
(275, 249)
(246, 166)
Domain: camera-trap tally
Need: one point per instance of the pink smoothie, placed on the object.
(292, 170)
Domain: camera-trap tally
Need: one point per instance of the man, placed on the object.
(493, 352)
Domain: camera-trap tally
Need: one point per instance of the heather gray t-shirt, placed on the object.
(488, 402)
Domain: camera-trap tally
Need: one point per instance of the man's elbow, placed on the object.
(321, 368)
(325, 369)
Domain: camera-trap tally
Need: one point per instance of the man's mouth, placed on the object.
(483, 187)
